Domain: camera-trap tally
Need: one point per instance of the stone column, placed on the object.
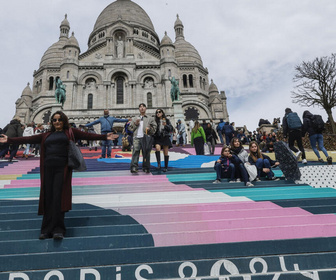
(56, 107)
(178, 112)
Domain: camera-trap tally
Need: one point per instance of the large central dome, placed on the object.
(124, 10)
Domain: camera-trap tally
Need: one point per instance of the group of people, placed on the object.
(16, 129)
(237, 165)
(294, 129)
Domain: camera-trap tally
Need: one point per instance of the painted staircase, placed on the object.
(175, 225)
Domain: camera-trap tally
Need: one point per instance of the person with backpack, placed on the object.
(292, 127)
(314, 126)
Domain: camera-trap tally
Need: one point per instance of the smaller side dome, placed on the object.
(166, 40)
(72, 41)
(213, 88)
(27, 91)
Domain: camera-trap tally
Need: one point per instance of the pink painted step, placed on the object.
(93, 181)
(248, 234)
(178, 208)
(144, 189)
(243, 223)
(217, 215)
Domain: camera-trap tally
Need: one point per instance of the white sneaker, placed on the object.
(249, 184)
(304, 161)
(216, 182)
(238, 180)
(298, 154)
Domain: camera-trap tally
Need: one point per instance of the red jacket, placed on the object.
(66, 189)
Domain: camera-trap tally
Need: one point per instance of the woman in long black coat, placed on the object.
(56, 191)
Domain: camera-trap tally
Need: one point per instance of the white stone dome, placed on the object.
(126, 11)
(186, 53)
(166, 40)
(54, 54)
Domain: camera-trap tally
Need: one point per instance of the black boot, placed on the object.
(166, 160)
(158, 159)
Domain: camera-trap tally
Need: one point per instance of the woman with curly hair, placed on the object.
(56, 175)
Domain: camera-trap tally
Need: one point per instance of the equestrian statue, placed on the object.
(60, 92)
(174, 91)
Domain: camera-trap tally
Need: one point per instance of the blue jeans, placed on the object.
(106, 144)
(183, 135)
(220, 135)
(317, 138)
(264, 163)
(221, 173)
(241, 172)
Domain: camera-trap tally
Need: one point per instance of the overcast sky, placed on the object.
(249, 47)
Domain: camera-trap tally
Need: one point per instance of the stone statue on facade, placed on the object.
(120, 48)
(174, 91)
(60, 92)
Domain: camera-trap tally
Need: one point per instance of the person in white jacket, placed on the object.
(29, 131)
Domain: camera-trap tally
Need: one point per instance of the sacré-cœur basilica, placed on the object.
(125, 64)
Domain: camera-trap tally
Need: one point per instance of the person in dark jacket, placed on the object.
(293, 135)
(228, 131)
(211, 137)
(315, 137)
(55, 192)
(162, 138)
(13, 129)
(262, 162)
(225, 167)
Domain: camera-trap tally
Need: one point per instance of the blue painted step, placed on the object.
(76, 232)
(69, 221)
(76, 244)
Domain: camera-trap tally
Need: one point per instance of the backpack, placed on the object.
(317, 123)
(293, 121)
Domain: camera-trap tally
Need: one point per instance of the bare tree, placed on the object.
(316, 84)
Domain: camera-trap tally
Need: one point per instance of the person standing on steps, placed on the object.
(162, 138)
(106, 123)
(140, 125)
(13, 129)
(56, 175)
(292, 127)
(314, 126)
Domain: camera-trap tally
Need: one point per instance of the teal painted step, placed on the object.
(76, 232)
(16, 207)
(69, 221)
(299, 251)
(76, 244)
(274, 194)
(200, 176)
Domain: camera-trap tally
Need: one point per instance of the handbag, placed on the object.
(206, 149)
(75, 157)
(125, 142)
(251, 170)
